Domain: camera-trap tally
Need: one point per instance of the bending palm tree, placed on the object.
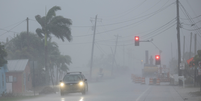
(52, 24)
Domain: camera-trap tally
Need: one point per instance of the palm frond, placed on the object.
(61, 32)
(52, 13)
(40, 20)
(61, 21)
(39, 32)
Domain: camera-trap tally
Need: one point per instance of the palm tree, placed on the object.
(52, 24)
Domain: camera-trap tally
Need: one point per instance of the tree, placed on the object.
(25, 46)
(62, 63)
(52, 24)
(3, 54)
(30, 46)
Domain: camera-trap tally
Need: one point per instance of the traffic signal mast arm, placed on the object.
(137, 40)
(146, 40)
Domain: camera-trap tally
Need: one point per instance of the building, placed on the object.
(18, 76)
(3, 71)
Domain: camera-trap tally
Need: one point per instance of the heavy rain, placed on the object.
(100, 50)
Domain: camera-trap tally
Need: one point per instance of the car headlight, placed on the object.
(61, 84)
(81, 83)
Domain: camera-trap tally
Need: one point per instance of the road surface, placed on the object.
(118, 89)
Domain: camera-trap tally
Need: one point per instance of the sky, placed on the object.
(148, 19)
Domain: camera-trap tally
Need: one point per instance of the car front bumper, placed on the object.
(72, 88)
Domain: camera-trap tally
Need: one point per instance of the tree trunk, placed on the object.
(51, 77)
(57, 77)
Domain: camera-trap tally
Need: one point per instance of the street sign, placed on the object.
(182, 66)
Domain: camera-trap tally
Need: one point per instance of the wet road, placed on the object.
(118, 89)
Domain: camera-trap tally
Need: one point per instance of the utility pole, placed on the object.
(92, 50)
(178, 39)
(124, 55)
(171, 52)
(190, 44)
(27, 25)
(195, 73)
(117, 36)
(195, 44)
(183, 48)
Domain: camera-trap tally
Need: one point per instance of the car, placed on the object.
(73, 82)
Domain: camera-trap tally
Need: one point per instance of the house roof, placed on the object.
(17, 65)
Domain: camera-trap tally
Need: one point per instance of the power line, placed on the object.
(128, 24)
(185, 12)
(162, 31)
(13, 27)
(13, 24)
(100, 48)
(192, 9)
(171, 21)
(190, 19)
(191, 29)
(8, 30)
(191, 24)
(128, 11)
(153, 13)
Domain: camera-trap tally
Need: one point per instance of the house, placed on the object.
(3, 71)
(18, 76)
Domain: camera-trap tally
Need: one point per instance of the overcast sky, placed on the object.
(126, 18)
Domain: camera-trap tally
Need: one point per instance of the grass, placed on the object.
(17, 98)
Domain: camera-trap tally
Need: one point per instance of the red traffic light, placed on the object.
(136, 38)
(157, 57)
(157, 60)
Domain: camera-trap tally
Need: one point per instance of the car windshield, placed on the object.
(69, 78)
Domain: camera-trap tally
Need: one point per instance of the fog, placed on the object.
(113, 19)
(149, 19)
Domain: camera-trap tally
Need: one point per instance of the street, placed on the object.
(119, 89)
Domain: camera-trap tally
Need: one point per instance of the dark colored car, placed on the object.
(73, 82)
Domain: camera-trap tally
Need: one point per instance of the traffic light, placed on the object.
(157, 60)
(136, 40)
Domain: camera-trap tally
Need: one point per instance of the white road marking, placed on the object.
(142, 94)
